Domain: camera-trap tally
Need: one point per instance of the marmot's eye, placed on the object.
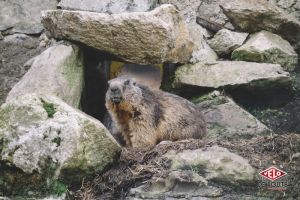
(127, 82)
(134, 83)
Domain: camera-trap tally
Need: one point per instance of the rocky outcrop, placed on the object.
(225, 119)
(214, 163)
(108, 6)
(257, 15)
(142, 37)
(267, 47)
(225, 41)
(231, 74)
(57, 71)
(42, 139)
(23, 16)
(15, 50)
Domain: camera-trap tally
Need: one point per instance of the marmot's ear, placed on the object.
(134, 83)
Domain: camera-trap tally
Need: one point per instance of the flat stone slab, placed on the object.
(108, 6)
(222, 74)
(267, 47)
(141, 37)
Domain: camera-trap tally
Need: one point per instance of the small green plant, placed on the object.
(49, 108)
(58, 188)
(57, 140)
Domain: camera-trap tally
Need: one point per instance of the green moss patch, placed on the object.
(49, 108)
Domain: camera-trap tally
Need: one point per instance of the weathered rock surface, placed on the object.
(202, 51)
(267, 47)
(225, 41)
(225, 119)
(42, 139)
(23, 16)
(290, 6)
(188, 8)
(210, 10)
(57, 71)
(180, 184)
(214, 163)
(256, 15)
(15, 50)
(108, 6)
(143, 37)
(231, 74)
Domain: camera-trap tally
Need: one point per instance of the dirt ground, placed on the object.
(138, 166)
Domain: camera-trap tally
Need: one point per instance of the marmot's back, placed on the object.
(146, 117)
(182, 119)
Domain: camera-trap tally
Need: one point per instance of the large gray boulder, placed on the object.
(108, 6)
(227, 120)
(267, 47)
(57, 71)
(43, 139)
(23, 16)
(231, 74)
(214, 163)
(142, 37)
(225, 41)
(256, 15)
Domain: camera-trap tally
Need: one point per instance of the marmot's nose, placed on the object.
(114, 89)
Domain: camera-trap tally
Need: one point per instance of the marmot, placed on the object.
(146, 117)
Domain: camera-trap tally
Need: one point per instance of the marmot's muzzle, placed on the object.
(116, 99)
(115, 95)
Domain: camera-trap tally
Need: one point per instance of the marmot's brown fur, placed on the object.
(145, 117)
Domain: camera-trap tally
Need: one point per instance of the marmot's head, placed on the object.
(123, 90)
